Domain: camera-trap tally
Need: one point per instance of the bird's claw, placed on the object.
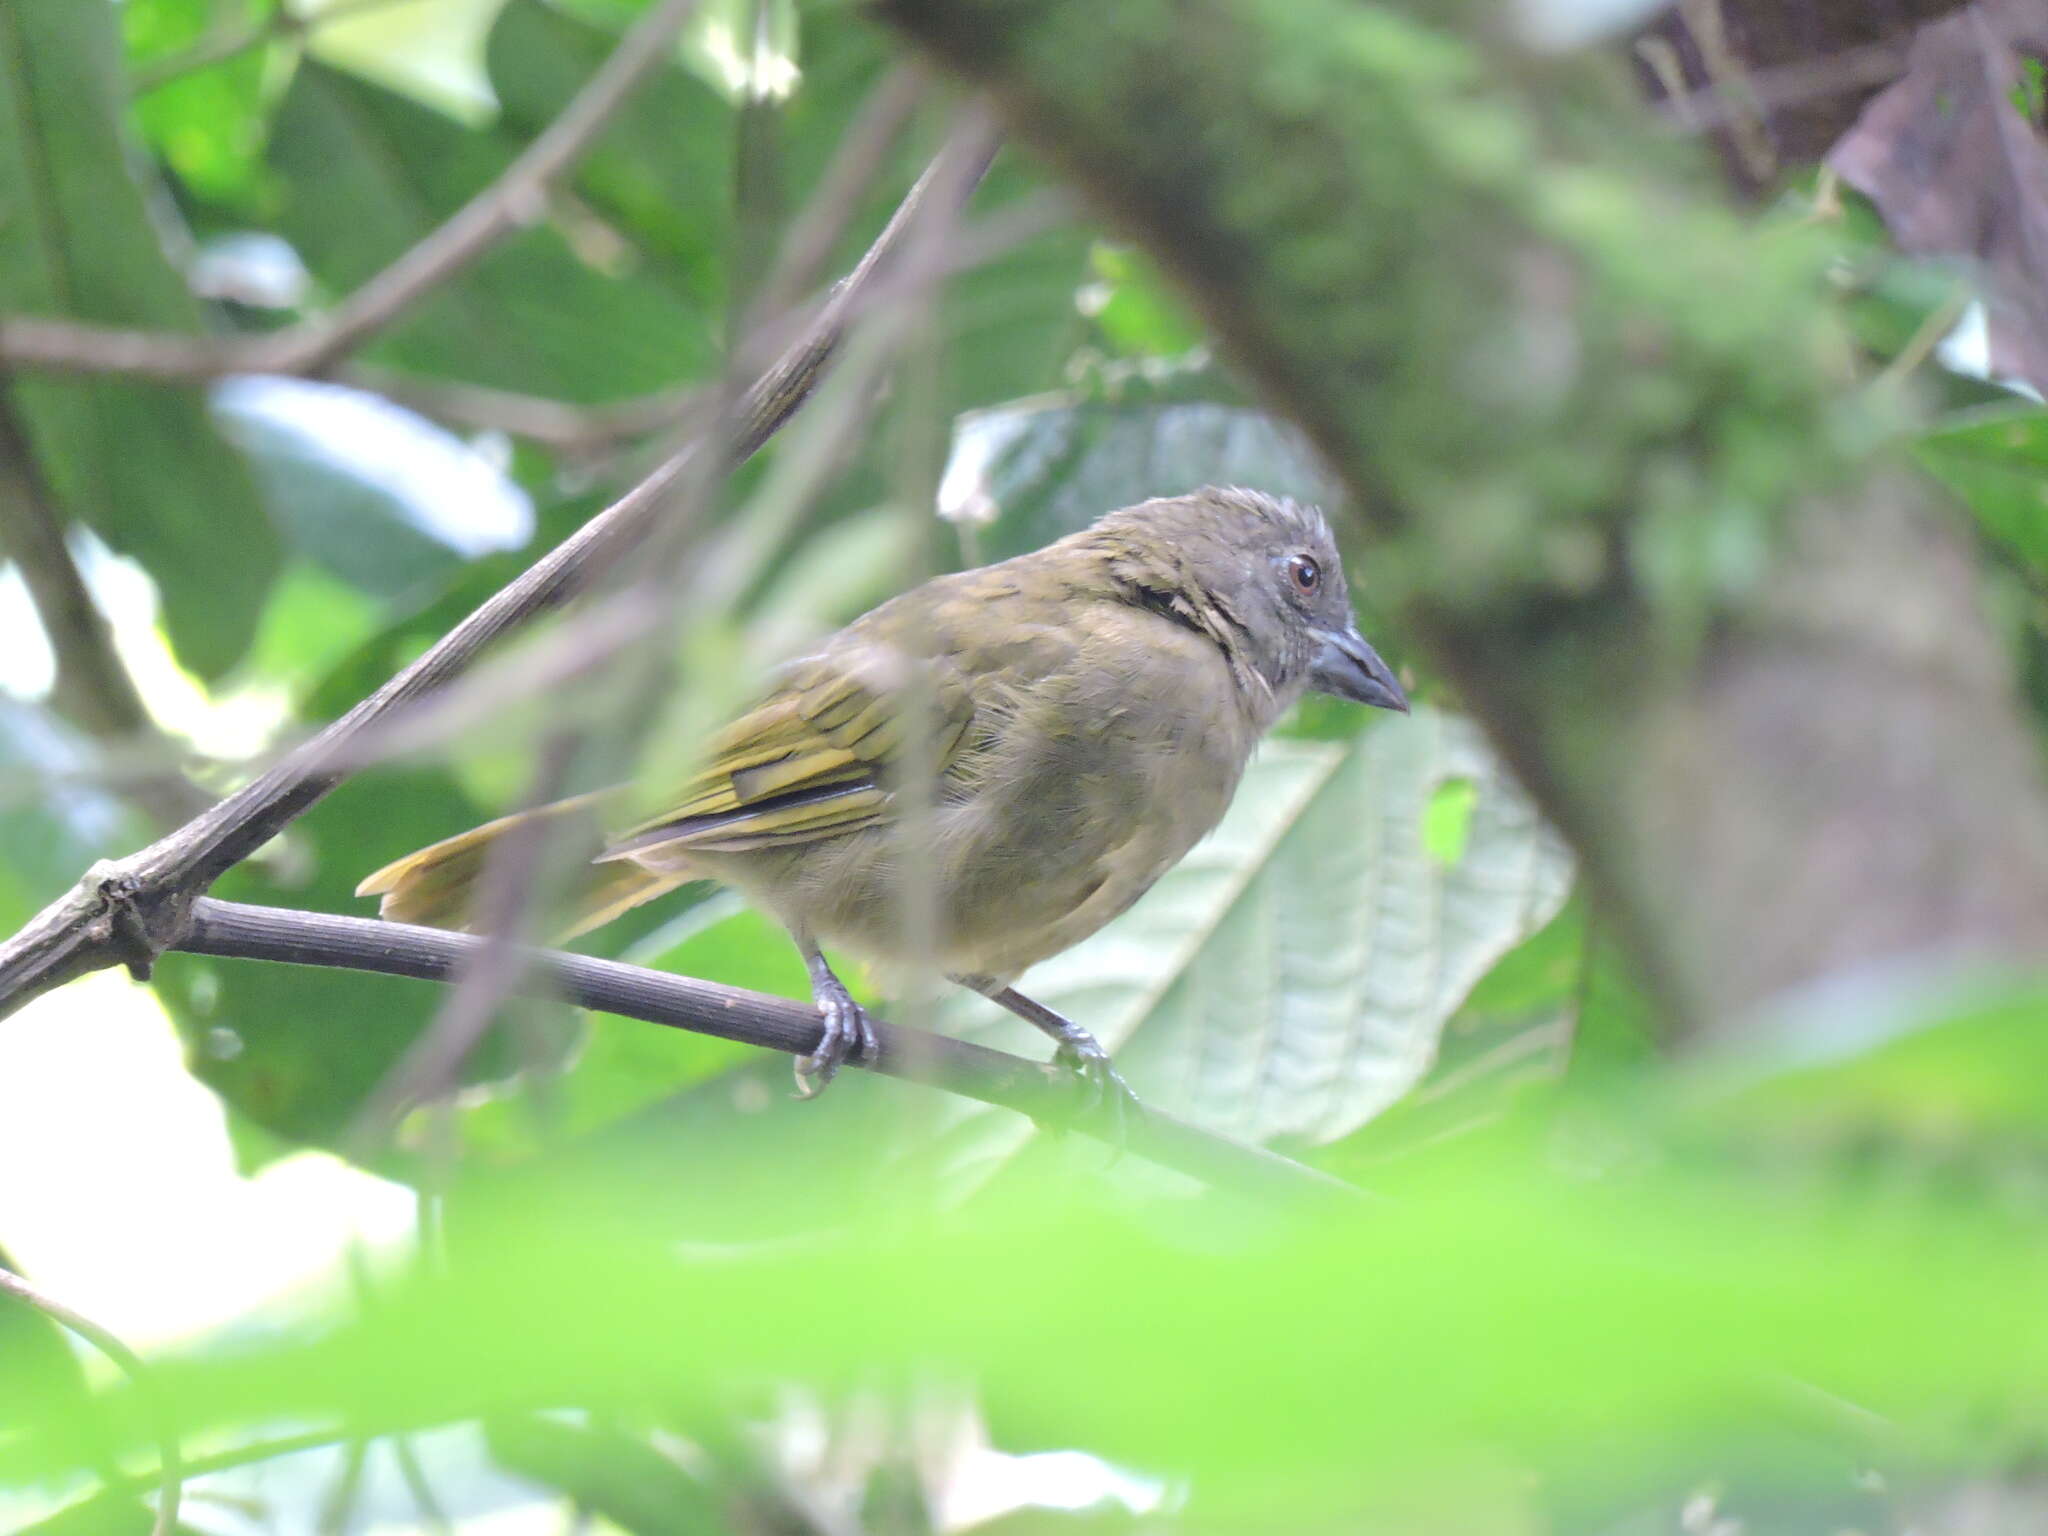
(849, 1035)
(1102, 1088)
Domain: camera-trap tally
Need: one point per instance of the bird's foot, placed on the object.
(848, 1036)
(1102, 1088)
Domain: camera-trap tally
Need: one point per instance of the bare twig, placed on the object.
(516, 199)
(93, 689)
(1727, 99)
(232, 930)
(576, 431)
(129, 911)
(170, 1473)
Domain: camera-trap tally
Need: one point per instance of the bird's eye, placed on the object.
(1305, 574)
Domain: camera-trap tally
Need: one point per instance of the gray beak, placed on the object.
(1349, 668)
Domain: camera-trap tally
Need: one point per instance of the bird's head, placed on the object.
(1262, 576)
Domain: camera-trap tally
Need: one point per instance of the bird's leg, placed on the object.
(1079, 1052)
(848, 1033)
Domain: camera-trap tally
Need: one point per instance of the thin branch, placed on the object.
(576, 431)
(129, 911)
(516, 199)
(170, 1471)
(232, 930)
(93, 689)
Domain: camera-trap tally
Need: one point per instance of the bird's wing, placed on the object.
(814, 759)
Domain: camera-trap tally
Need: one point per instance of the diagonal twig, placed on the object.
(516, 199)
(170, 1472)
(233, 930)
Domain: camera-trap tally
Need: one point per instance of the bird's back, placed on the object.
(1100, 742)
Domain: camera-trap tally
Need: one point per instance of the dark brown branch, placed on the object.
(170, 1479)
(232, 930)
(92, 689)
(129, 911)
(516, 199)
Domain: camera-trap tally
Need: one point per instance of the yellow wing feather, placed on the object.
(811, 761)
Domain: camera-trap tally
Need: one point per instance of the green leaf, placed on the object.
(1135, 309)
(207, 125)
(371, 491)
(1291, 975)
(140, 463)
(1996, 460)
(1043, 469)
(616, 1476)
(367, 173)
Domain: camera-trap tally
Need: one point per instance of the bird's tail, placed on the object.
(436, 887)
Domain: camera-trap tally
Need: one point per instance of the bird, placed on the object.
(1035, 741)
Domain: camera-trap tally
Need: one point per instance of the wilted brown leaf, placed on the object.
(1957, 169)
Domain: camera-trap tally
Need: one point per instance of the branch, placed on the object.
(516, 199)
(93, 689)
(131, 910)
(233, 930)
(170, 1474)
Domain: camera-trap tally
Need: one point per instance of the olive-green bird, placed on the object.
(1088, 710)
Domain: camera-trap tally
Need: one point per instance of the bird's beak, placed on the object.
(1349, 668)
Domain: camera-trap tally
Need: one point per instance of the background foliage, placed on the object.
(1792, 1285)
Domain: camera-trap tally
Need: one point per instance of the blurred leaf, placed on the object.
(661, 175)
(1045, 469)
(1996, 460)
(375, 493)
(139, 462)
(208, 124)
(1618, 1335)
(55, 815)
(312, 620)
(1950, 1062)
(1291, 975)
(613, 1475)
(1135, 309)
(1959, 173)
(368, 173)
(431, 53)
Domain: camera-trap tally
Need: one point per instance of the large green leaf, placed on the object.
(367, 173)
(140, 462)
(1289, 978)
(369, 490)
